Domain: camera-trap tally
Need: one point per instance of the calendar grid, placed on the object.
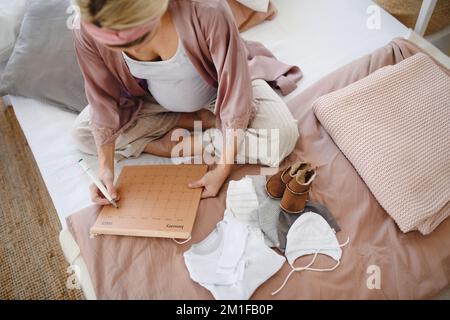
(155, 201)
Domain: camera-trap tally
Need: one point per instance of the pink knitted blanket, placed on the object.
(394, 127)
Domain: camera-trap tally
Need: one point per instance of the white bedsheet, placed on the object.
(319, 36)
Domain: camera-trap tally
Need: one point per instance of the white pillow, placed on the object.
(11, 16)
(257, 5)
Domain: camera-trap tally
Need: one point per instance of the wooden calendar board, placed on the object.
(155, 201)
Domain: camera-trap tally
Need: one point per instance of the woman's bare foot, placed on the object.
(207, 118)
(187, 145)
(163, 146)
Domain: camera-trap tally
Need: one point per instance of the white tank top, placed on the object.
(175, 83)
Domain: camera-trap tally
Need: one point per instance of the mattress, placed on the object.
(2, 67)
(319, 36)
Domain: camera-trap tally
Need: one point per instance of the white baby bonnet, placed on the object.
(311, 234)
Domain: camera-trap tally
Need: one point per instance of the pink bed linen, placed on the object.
(412, 266)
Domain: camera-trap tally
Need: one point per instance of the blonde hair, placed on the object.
(120, 14)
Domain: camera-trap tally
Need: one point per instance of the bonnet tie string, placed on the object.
(307, 267)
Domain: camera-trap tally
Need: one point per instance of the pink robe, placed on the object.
(212, 42)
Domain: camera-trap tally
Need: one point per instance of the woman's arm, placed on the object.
(235, 97)
(234, 102)
(106, 174)
(102, 94)
(103, 90)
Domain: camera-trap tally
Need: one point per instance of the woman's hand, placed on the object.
(106, 176)
(212, 181)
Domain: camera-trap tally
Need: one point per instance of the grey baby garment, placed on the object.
(268, 212)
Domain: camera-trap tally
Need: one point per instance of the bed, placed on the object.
(339, 36)
(319, 36)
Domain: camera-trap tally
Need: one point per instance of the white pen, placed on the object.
(97, 182)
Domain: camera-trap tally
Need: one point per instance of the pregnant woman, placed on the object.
(154, 66)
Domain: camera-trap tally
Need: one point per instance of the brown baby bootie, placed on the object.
(276, 184)
(297, 190)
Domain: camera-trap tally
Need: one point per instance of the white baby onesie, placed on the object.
(232, 262)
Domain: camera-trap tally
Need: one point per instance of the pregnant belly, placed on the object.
(184, 96)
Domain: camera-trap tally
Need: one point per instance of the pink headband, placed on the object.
(118, 37)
